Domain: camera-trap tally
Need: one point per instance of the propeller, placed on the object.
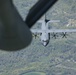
(54, 35)
(14, 33)
(64, 34)
(36, 35)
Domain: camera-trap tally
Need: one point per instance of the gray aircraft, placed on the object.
(45, 31)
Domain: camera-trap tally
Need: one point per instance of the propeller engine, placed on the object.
(36, 35)
(64, 34)
(54, 35)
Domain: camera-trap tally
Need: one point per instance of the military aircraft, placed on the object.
(45, 31)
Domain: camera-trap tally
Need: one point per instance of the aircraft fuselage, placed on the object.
(45, 38)
(45, 35)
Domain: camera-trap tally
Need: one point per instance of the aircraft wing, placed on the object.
(36, 30)
(54, 21)
(53, 30)
(61, 30)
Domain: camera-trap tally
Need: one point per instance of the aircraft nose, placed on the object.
(44, 43)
